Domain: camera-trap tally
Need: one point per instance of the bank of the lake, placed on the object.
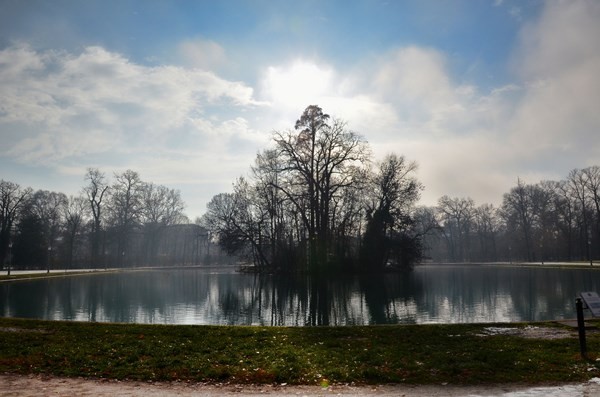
(26, 274)
(463, 354)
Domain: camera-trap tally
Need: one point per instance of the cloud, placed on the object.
(201, 53)
(474, 143)
(558, 61)
(67, 111)
(99, 101)
(560, 41)
(416, 82)
(413, 74)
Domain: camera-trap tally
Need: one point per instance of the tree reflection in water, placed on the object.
(429, 294)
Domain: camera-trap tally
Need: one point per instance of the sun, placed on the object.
(297, 84)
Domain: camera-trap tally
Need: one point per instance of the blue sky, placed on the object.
(479, 93)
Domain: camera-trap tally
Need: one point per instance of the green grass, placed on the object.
(416, 354)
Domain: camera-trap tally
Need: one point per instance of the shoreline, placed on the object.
(566, 265)
(232, 268)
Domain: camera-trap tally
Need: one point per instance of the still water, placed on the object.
(430, 294)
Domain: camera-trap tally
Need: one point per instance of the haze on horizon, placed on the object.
(186, 93)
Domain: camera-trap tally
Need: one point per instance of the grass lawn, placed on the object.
(416, 354)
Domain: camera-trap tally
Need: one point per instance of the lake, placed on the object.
(430, 294)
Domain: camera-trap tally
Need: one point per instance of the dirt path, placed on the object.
(35, 385)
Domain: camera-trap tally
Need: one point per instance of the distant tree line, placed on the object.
(315, 202)
(546, 221)
(123, 223)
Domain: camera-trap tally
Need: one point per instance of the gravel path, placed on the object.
(36, 385)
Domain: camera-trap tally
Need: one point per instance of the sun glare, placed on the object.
(297, 84)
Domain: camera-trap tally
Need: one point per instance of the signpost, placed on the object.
(592, 302)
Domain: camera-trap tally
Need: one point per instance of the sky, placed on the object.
(480, 93)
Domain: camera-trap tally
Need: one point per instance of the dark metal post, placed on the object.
(581, 327)
(9, 257)
(48, 262)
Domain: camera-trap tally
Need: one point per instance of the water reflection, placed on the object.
(430, 294)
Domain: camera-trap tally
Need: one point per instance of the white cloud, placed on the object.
(413, 75)
(99, 101)
(203, 54)
(66, 111)
(559, 60)
(473, 143)
(416, 83)
(563, 39)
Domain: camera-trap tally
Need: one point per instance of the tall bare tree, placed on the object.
(47, 206)
(12, 199)
(74, 214)
(578, 185)
(566, 208)
(593, 187)
(317, 160)
(125, 209)
(95, 192)
(529, 213)
(390, 222)
(272, 202)
(159, 207)
(457, 220)
(486, 225)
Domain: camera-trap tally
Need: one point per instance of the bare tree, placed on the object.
(578, 185)
(230, 218)
(125, 209)
(74, 214)
(528, 211)
(272, 202)
(544, 203)
(219, 212)
(47, 207)
(566, 207)
(316, 163)
(428, 229)
(159, 207)
(457, 220)
(593, 186)
(95, 191)
(486, 225)
(12, 199)
(389, 216)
